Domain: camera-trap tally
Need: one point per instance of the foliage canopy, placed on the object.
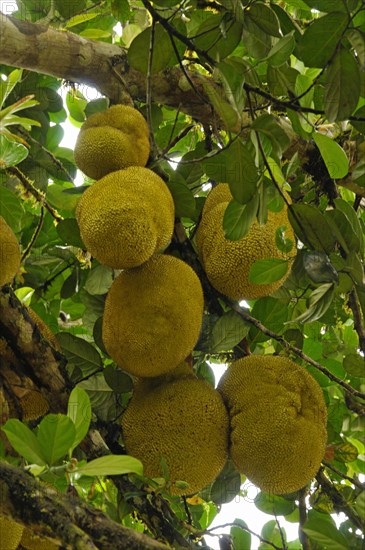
(268, 97)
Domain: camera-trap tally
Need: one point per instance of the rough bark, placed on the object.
(29, 363)
(76, 524)
(98, 64)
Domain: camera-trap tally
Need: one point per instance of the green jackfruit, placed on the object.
(32, 541)
(153, 316)
(227, 263)
(9, 253)
(112, 140)
(277, 421)
(183, 423)
(126, 217)
(10, 533)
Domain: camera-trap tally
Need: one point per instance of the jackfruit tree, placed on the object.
(209, 215)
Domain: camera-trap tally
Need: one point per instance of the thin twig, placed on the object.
(282, 536)
(29, 187)
(302, 519)
(358, 321)
(262, 540)
(352, 480)
(34, 236)
(149, 88)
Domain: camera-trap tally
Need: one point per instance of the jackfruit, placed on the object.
(32, 541)
(126, 217)
(277, 421)
(10, 533)
(182, 424)
(112, 140)
(33, 405)
(44, 329)
(152, 316)
(227, 263)
(9, 253)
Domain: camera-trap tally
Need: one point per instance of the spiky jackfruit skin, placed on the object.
(185, 423)
(126, 217)
(32, 541)
(10, 533)
(112, 140)
(33, 405)
(44, 329)
(153, 315)
(9, 253)
(277, 421)
(227, 263)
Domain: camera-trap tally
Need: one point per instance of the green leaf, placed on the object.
(342, 90)
(257, 42)
(183, 199)
(354, 364)
(99, 280)
(282, 50)
(265, 18)
(76, 104)
(272, 533)
(79, 411)
(360, 504)
(343, 230)
(69, 232)
(218, 36)
(327, 5)
(79, 19)
(163, 51)
(54, 136)
(11, 152)
(7, 86)
(320, 39)
(24, 441)
(333, 155)
(95, 34)
(346, 452)
(235, 166)
(226, 112)
(311, 227)
(227, 485)
(11, 209)
(241, 539)
(318, 303)
(232, 73)
(274, 505)
(112, 465)
(79, 352)
(228, 331)
(353, 219)
(267, 271)
(238, 218)
(321, 529)
(56, 434)
(283, 243)
(269, 126)
(121, 10)
(117, 380)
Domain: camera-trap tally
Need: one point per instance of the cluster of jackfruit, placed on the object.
(175, 424)
(227, 263)
(277, 422)
(9, 253)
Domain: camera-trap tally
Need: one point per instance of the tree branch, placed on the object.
(70, 519)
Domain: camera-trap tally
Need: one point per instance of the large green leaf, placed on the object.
(321, 529)
(56, 434)
(238, 218)
(11, 208)
(265, 18)
(183, 199)
(99, 280)
(320, 39)
(79, 411)
(333, 155)
(269, 126)
(274, 505)
(11, 152)
(228, 331)
(163, 51)
(318, 303)
(311, 227)
(218, 36)
(239, 536)
(24, 441)
(79, 352)
(281, 50)
(342, 86)
(267, 271)
(111, 465)
(7, 86)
